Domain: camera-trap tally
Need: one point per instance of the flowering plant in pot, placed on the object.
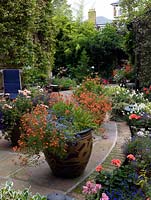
(12, 111)
(62, 133)
(11, 114)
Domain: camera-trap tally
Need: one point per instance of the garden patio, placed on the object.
(75, 103)
(42, 181)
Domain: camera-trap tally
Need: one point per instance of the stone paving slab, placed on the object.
(41, 179)
(7, 165)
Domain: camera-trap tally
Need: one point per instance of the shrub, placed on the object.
(122, 97)
(90, 96)
(64, 82)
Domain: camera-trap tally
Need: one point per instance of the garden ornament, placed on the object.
(58, 196)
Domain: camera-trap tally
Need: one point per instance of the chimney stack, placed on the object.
(92, 16)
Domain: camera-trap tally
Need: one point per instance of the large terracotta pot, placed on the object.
(78, 154)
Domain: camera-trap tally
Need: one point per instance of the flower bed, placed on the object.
(132, 179)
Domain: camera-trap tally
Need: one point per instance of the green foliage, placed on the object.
(141, 148)
(133, 8)
(12, 111)
(9, 193)
(122, 97)
(136, 16)
(141, 28)
(80, 46)
(64, 82)
(81, 70)
(27, 37)
(91, 85)
(122, 183)
(76, 118)
(16, 26)
(112, 181)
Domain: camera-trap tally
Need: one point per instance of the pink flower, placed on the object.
(131, 157)
(91, 188)
(99, 168)
(116, 162)
(104, 197)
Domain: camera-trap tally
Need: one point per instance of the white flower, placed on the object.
(140, 133)
(7, 106)
(27, 92)
(41, 90)
(44, 105)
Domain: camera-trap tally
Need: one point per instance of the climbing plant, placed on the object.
(141, 28)
(27, 35)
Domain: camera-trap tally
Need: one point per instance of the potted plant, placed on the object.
(63, 132)
(12, 111)
(62, 83)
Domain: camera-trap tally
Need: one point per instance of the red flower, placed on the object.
(131, 157)
(104, 81)
(99, 168)
(145, 89)
(116, 162)
(134, 116)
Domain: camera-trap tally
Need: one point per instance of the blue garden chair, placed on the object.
(11, 82)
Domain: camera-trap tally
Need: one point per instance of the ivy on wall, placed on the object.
(27, 37)
(141, 28)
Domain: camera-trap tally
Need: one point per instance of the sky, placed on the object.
(102, 7)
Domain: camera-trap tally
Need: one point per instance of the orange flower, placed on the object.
(131, 157)
(67, 112)
(128, 68)
(99, 168)
(114, 72)
(15, 148)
